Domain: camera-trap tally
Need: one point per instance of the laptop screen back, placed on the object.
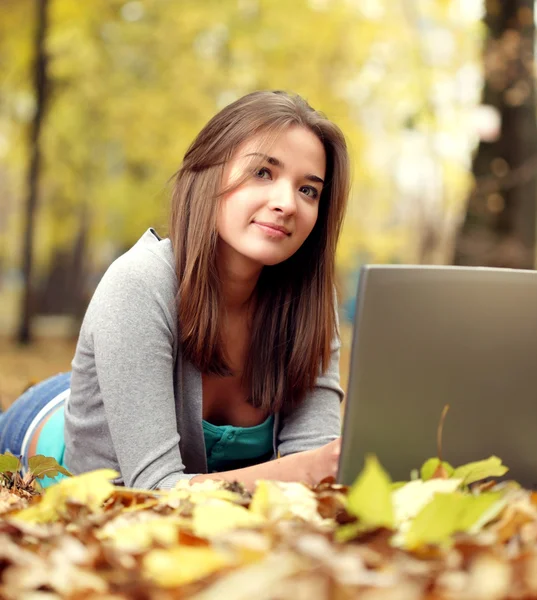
(425, 337)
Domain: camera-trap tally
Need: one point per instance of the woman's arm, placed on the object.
(308, 467)
(123, 401)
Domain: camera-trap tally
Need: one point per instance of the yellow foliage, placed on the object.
(200, 492)
(134, 82)
(182, 565)
(276, 500)
(217, 517)
(136, 536)
(370, 497)
(90, 489)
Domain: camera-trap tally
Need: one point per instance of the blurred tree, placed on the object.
(499, 227)
(40, 90)
(133, 81)
(131, 85)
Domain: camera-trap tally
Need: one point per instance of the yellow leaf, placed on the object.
(447, 514)
(348, 532)
(200, 492)
(475, 471)
(260, 579)
(248, 545)
(410, 498)
(182, 565)
(370, 497)
(276, 500)
(218, 517)
(135, 536)
(141, 507)
(90, 489)
(265, 496)
(430, 466)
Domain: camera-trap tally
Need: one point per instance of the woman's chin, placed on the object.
(268, 259)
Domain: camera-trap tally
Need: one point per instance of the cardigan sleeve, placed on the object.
(123, 379)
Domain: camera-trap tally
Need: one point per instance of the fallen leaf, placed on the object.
(257, 580)
(447, 514)
(44, 466)
(90, 489)
(8, 463)
(217, 517)
(182, 565)
(135, 536)
(409, 499)
(281, 500)
(433, 468)
(370, 497)
(475, 471)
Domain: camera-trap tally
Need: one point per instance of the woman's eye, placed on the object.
(310, 191)
(263, 173)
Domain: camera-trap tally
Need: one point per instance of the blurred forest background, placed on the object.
(100, 99)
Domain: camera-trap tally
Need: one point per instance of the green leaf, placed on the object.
(475, 471)
(370, 497)
(44, 466)
(348, 532)
(8, 463)
(447, 514)
(429, 467)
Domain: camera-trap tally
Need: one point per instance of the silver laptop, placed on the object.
(427, 336)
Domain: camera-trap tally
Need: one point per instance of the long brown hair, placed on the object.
(294, 321)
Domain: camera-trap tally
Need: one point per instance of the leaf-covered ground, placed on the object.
(434, 538)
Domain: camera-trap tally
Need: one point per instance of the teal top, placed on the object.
(51, 443)
(230, 447)
(227, 447)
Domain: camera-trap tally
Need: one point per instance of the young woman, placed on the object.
(214, 353)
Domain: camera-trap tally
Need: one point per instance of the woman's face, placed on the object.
(268, 217)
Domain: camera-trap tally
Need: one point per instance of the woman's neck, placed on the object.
(237, 294)
(238, 278)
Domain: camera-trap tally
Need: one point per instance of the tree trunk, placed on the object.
(40, 89)
(63, 290)
(499, 227)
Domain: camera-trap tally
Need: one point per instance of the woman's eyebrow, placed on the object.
(278, 163)
(314, 178)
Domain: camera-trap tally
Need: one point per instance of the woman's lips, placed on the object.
(275, 231)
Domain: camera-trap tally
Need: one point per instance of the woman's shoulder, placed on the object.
(150, 255)
(145, 272)
(149, 260)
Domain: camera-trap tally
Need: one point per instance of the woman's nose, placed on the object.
(283, 199)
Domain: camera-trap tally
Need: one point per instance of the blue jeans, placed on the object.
(15, 422)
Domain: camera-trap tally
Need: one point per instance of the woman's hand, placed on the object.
(321, 462)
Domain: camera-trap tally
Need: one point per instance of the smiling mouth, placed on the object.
(273, 229)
